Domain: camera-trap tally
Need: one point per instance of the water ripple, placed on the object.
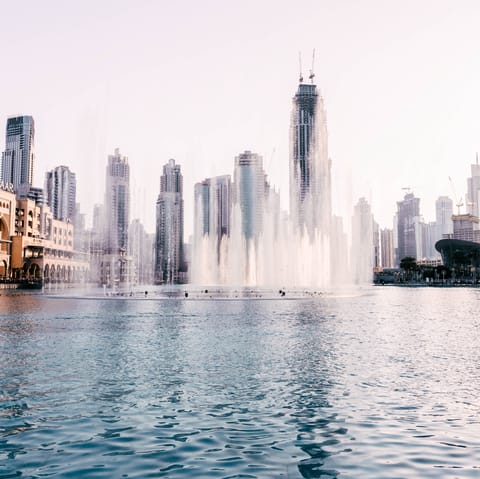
(350, 387)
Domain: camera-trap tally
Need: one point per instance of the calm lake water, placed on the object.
(384, 383)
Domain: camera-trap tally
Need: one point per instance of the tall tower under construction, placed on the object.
(310, 183)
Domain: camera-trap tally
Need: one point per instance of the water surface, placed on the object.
(383, 383)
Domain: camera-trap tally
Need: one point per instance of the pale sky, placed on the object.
(201, 81)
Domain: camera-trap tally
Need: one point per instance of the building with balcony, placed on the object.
(169, 248)
(42, 247)
(61, 193)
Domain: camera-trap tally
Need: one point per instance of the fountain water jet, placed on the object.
(263, 246)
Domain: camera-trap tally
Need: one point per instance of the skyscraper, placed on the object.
(310, 184)
(212, 225)
(250, 191)
(473, 190)
(213, 207)
(18, 157)
(110, 263)
(169, 258)
(429, 234)
(376, 245)
(363, 246)
(61, 192)
(386, 245)
(117, 203)
(409, 236)
(443, 216)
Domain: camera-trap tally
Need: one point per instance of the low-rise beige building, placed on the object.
(34, 246)
(7, 229)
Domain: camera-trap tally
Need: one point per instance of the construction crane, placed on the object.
(312, 75)
(458, 201)
(300, 78)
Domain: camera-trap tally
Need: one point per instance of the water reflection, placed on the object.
(18, 364)
(312, 364)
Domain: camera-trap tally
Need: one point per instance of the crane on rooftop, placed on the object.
(458, 201)
(300, 77)
(312, 75)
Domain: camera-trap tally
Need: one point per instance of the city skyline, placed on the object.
(399, 84)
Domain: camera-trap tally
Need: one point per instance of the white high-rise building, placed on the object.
(429, 234)
(387, 248)
(362, 242)
(473, 190)
(443, 216)
(249, 187)
(61, 192)
(376, 245)
(19, 154)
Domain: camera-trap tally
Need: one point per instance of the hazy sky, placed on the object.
(201, 81)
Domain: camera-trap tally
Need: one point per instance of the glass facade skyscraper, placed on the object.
(213, 206)
(408, 224)
(19, 154)
(117, 203)
(250, 192)
(169, 254)
(310, 184)
(61, 193)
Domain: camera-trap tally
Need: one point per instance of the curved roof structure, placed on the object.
(457, 252)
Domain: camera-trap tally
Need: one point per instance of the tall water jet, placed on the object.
(362, 242)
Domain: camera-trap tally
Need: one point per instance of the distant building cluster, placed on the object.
(452, 240)
(241, 236)
(43, 237)
(460, 247)
(410, 236)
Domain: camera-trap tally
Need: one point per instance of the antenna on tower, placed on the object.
(300, 77)
(312, 75)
